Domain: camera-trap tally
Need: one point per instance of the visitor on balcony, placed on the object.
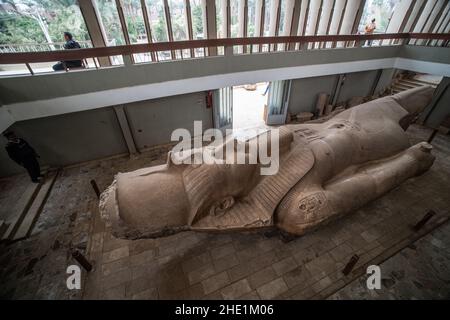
(23, 154)
(369, 29)
(70, 44)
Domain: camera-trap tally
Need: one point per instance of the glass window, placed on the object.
(110, 23)
(221, 30)
(234, 15)
(198, 31)
(381, 11)
(157, 20)
(251, 18)
(267, 17)
(41, 22)
(178, 19)
(109, 18)
(134, 20)
(29, 26)
(158, 25)
(282, 14)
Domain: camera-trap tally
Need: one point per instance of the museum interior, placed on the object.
(96, 95)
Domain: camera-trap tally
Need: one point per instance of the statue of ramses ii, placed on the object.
(325, 170)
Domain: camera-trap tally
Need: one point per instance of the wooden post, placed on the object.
(77, 255)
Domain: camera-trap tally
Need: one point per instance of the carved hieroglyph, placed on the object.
(325, 170)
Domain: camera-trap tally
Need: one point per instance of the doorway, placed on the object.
(248, 105)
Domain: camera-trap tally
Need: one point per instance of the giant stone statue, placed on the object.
(326, 170)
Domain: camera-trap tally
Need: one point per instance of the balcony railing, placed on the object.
(155, 52)
(38, 47)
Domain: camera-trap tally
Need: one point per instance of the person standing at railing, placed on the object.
(70, 44)
(23, 154)
(369, 29)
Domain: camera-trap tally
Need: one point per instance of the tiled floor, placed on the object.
(258, 265)
(420, 271)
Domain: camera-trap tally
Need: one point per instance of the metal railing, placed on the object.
(155, 52)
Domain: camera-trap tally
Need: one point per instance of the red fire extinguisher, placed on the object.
(209, 99)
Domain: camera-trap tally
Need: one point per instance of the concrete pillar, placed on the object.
(327, 6)
(293, 28)
(287, 21)
(400, 12)
(424, 16)
(122, 21)
(434, 16)
(325, 19)
(224, 15)
(259, 21)
(242, 18)
(259, 18)
(418, 5)
(148, 29)
(94, 27)
(209, 23)
(441, 26)
(313, 17)
(444, 16)
(336, 18)
(348, 18)
(303, 17)
(125, 127)
(274, 16)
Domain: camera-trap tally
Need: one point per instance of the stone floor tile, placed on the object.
(222, 251)
(272, 289)
(215, 282)
(236, 290)
(285, 265)
(226, 262)
(201, 273)
(261, 277)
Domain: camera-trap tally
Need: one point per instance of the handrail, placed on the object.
(126, 50)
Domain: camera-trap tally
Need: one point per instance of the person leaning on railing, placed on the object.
(70, 44)
(369, 29)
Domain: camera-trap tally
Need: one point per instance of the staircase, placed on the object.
(403, 84)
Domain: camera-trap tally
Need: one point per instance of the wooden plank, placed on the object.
(21, 209)
(35, 209)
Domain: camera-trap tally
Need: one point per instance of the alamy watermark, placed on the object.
(73, 281)
(374, 279)
(256, 146)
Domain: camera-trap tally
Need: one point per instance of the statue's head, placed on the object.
(161, 200)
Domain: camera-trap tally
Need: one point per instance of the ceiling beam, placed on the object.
(210, 25)
(94, 27)
(188, 18)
